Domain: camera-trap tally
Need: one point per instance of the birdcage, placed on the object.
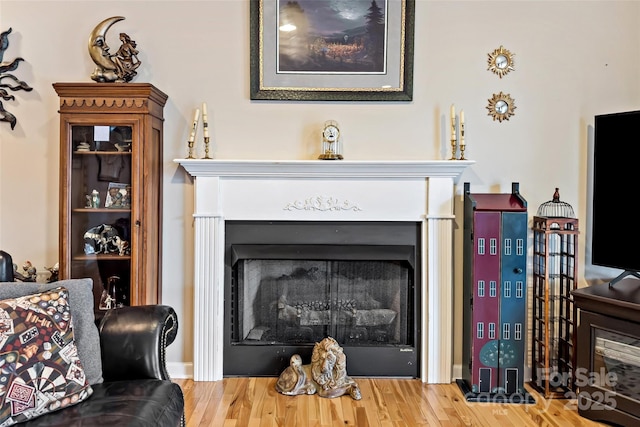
(555, 266)
(555, 208)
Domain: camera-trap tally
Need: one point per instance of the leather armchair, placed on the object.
(137, 389)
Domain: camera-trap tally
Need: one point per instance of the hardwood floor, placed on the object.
(254, 402)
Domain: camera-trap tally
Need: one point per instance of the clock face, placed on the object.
(331, 133)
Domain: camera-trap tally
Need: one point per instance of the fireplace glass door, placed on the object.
(303, 301)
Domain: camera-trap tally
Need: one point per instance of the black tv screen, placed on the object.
(616, 169)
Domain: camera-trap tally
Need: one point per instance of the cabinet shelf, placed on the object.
(102, 153)
(101, 210)
(102, 257)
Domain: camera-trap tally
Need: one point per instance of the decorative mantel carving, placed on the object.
(322, 203)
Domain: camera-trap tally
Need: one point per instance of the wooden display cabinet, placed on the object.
(111, 139)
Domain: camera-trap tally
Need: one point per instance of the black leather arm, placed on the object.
(6, 267)
(133, 341)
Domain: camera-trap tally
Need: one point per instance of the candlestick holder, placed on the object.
(462, 152)
(190, 153)
(454, 148)
(206, 148)
(462, 143)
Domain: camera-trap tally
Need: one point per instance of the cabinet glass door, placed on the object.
(101, 201)
(616, 363)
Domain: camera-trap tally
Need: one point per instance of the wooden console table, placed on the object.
(608, 363)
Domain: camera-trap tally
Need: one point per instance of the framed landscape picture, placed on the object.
(332, 50)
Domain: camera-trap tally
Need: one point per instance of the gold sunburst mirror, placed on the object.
(501, 106)
(501, 61)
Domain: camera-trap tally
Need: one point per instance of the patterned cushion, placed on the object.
(40, 371)
(84, 327)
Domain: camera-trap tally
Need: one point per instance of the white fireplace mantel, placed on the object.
(320, 190)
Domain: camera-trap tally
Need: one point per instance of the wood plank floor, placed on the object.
(254, 402)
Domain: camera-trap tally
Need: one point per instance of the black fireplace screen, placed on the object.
(304, 301)
(306, 284)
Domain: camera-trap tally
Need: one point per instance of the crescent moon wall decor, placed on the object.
(13, 85)
(118, 67)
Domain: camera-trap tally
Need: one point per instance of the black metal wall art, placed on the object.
(8, 81)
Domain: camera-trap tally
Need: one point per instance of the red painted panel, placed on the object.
(497, 202)
(486, 268)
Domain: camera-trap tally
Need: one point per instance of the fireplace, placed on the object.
(289, 284)
(343, 194)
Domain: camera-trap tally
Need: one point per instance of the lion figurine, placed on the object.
(326, 375)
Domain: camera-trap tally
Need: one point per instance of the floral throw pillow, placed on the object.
(40, 371)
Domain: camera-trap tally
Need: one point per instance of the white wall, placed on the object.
(573, 59)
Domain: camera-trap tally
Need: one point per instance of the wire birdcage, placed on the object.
(555, 208)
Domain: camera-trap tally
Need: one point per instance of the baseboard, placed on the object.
(456, 372)
(184, 370)
(180, 370)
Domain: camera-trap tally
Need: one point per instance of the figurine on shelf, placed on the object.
(30, 274)
(55, 273)
(123, 146)
(104, 239)
(112, 295)
(106, 301)
(126, 198)
(93, 200)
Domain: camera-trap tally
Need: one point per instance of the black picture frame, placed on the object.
(392, 80)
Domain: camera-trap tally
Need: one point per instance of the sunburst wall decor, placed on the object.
(501, 61)
(501, 106)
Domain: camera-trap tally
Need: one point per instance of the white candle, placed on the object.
(453, 122)
(194, 127)
(461, 127)
(205, 122)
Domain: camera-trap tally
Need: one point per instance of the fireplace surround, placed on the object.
(321, 191)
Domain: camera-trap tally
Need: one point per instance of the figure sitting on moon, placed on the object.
(118, 67)
(326, 375)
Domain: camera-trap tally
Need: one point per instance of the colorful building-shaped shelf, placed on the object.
(494, 296)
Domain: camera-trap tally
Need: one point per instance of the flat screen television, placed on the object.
(615, 230)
